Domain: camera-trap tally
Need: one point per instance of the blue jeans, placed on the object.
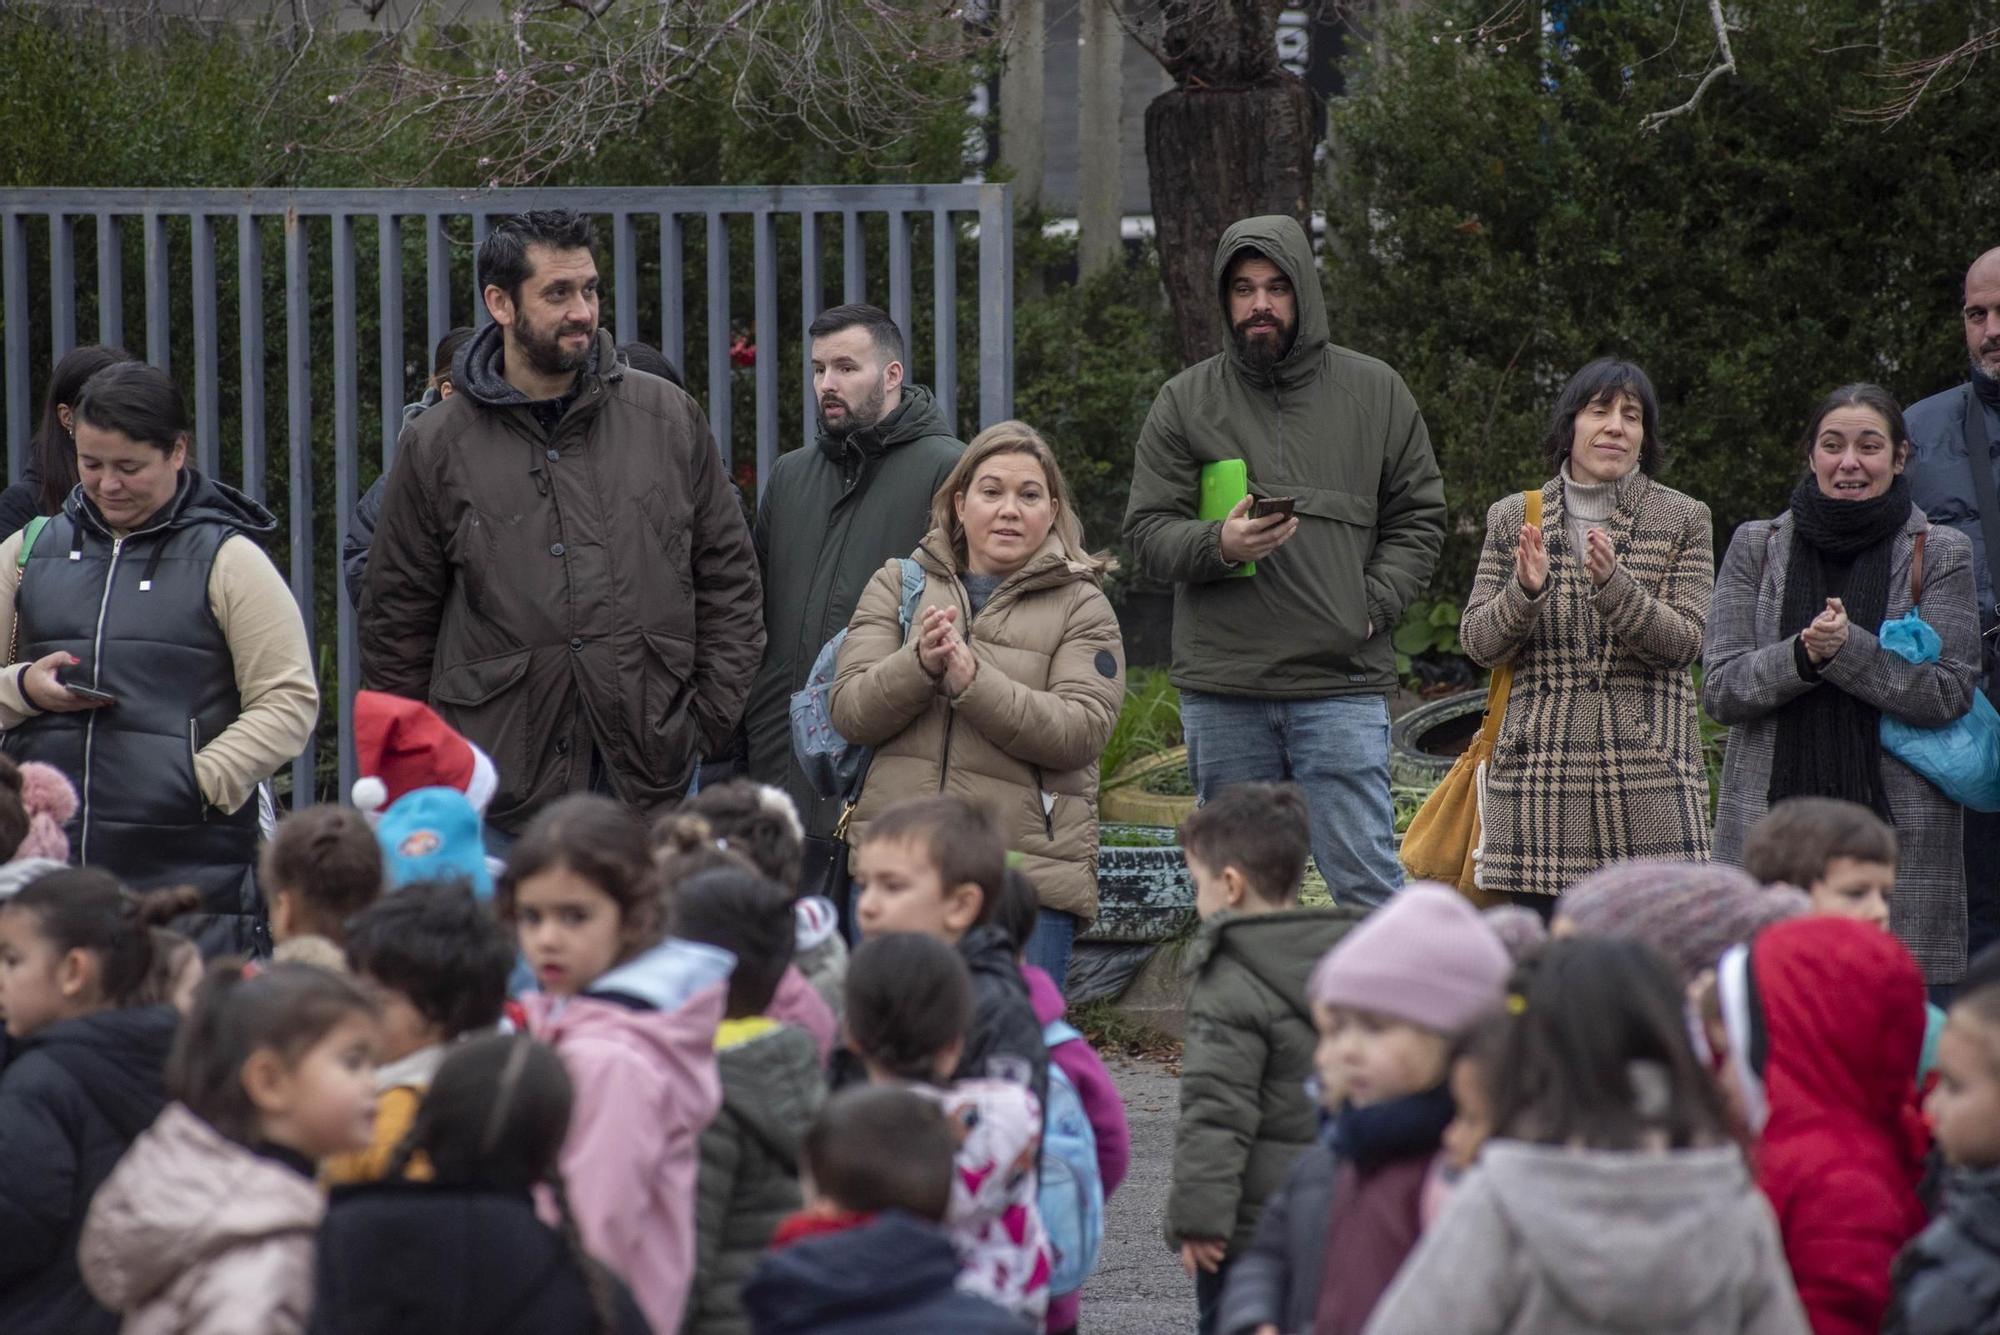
(1336, 750)
(1049, 944)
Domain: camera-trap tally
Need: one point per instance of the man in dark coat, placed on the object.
(560, 570)
(1942, 428)
(830, 515)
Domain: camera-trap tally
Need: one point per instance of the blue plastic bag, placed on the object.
(1962, 758)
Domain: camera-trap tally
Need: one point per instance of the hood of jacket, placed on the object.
(1633, 1241)
(118, 1057)
(1278, 949)
(430, 399)
(478, 370)
(644, 1003)
(181, 1194)
(772, 1084)
(893, 1261)
(1843, 1011)
(197, 499)
(917, 416)
(1279, 239)
(1972, 1202)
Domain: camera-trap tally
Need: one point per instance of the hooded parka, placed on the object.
(562, 592)
(827, 518)
(1336, 431)
(1023, 740)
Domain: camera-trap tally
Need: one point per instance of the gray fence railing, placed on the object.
(672, 253)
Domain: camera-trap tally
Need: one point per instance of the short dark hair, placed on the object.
(752, 819)
(446, 353)
(1602, 381)
(747, 915)
(1800, 836)
(962, 842)
(909, 998)
(503, 255)
(888, 339)
(1018, 909)
(645, 357)
(599, 840)
(1261, 829)
(329, 857)
(1861, 394)
(439, 946)
(1598, 1056)
(135, 400)
(877, 1147)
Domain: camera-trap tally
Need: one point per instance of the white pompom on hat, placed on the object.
(402, 745)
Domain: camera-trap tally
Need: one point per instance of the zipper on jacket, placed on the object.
(1046, 800)
(951, 706)
(96, 673)
(194, 749)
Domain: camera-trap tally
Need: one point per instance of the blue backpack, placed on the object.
(833, 765)
(1072, 1196)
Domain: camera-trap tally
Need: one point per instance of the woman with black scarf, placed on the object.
(1794, 666)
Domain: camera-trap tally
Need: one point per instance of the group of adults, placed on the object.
(562, 566)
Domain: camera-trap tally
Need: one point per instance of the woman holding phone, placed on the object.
(1600, 610)
(1796, 671)
(158, 658)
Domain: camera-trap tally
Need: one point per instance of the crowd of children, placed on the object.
(628, 1080)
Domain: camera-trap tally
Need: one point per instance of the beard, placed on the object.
(859, 415)
(1979, 371)
(1261, 352)
(544, 349)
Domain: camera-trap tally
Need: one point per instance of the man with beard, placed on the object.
(1284, 674)
(831, 514)
(1955, 433)
(560, 569)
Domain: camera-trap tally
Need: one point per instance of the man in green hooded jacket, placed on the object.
(831, 513)
(1284, 674)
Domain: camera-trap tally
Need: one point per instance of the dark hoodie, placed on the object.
(71, 1102)
(1245, 1116)
(1003, 1016)
(569, 583)
(1948, 1280)
(1338, 432)
(893, 1275)
(828, 517)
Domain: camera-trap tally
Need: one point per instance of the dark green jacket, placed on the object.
(827, 519)
(1245, 1116)
(771, 1091)
(1335, 430)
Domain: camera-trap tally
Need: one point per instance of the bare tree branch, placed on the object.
(1651, 122)
(1919, 77)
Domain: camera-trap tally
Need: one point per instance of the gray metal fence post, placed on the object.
(62, 286)
(298, 418)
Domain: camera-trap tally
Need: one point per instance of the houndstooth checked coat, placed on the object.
(1750, 672)
(1599, 755)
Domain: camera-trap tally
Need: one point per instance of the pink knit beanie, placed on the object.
(1424, 958)
(50, 801)
(1691, 912)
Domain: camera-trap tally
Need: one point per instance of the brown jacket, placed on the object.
(1023, 739)
(1599, 756)
(552, 593)
(194, 1235)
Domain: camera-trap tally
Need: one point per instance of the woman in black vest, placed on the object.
(158, 658)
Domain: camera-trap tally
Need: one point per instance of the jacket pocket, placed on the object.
(667, 718)
(471, 552)
(480, 698)
(194, 771)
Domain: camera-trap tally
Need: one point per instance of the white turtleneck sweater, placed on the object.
(1585, 506)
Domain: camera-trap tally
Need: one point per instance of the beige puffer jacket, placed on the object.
(1051, 678)
(194, 1235)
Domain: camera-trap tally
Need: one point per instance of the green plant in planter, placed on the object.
(1428, 626)
(1149, 722)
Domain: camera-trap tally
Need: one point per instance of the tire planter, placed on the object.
(1144, 895)
(1123, 800)
(1424, 743)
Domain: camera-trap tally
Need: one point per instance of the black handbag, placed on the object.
(823, 872)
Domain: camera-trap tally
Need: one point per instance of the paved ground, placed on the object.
(1138, 1288)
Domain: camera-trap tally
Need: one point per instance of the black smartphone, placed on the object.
(90, 693)
(1266, 506)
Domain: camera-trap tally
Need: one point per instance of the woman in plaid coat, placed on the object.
(1600, 610)
(1794, 666)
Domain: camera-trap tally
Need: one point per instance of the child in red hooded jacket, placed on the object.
(1825, 1022)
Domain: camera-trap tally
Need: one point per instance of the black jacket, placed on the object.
(18, 504)
(891, 1276)
(1276, 1281)
(74, 1097)
(1003, 1017)
(409, 1258)
(1948, 1279)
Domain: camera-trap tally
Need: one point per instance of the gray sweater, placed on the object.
(1547, 1241)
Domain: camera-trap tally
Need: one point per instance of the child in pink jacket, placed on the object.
(634, 1019)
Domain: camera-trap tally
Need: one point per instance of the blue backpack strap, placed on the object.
(913, 589)
(1059, 1031)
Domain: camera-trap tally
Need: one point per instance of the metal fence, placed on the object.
(94, 255)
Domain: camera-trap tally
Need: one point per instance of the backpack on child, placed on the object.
(1072, 1192)
(833, 765)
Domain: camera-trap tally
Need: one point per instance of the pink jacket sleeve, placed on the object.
(1102, 1105)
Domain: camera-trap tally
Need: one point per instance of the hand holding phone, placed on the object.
(42, 684)
(72, 681)
(1266, 506)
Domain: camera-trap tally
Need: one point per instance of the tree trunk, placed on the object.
(1215, 156)
(1023, 99)
(1100, 183)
